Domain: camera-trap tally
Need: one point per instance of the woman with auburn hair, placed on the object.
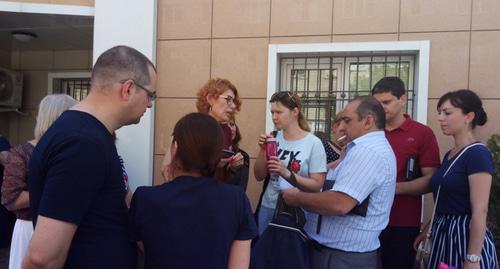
(219, 98)
(461, 189)
(240, 177)
(15, 195)
(193, 220)
(301, 159)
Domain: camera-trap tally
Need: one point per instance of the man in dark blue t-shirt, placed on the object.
(77, 192)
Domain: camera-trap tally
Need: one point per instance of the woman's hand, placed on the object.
(274, 165)
(420, 238)
(261, 141)
(223, 162)
(236, 161)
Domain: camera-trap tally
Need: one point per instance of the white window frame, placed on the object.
(419, 48)
(64, 75)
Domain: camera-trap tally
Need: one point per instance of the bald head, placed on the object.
(121, 63)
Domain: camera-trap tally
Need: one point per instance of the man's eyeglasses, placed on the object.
(229, 99)
(151, 94)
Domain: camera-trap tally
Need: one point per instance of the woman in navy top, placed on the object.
(193, 220)
(459, 235)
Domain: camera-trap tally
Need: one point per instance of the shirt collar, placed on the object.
(406, 124)
(365, 137)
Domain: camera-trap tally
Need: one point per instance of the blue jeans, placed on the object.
(265, 216)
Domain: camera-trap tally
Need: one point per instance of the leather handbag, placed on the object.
(424, 248)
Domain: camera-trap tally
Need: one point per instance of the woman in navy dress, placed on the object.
(459, 235)
(193, 220)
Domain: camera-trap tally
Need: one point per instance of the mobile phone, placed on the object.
(226, 153)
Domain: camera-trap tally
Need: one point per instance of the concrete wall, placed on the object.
(200, 39)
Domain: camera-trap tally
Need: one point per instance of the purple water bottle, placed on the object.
(271, 150)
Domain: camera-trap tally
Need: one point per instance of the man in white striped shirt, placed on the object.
(367, 171)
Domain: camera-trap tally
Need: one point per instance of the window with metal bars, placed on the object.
(327, 83)
(77, 88)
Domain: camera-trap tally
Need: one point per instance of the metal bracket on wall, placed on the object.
(17, 110)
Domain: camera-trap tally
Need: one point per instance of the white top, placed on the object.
(368, 169)
(308, 152)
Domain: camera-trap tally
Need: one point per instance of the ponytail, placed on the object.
(303, 122)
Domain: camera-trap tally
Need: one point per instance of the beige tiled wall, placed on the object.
(35, 66)
(59, 2)
(199, 39)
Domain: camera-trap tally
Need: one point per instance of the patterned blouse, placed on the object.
(15, 175)
(331, 154)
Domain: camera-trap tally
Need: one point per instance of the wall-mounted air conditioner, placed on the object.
(11, 89)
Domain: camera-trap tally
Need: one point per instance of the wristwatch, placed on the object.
(473, 258)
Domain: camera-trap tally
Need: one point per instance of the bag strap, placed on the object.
(439, 188)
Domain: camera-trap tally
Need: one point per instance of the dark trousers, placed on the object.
(4, 258)
(396, 247)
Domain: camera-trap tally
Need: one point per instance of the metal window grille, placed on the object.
(77, 88)
(327, 83)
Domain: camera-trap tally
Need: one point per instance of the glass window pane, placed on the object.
(320, 81)
(391, 69)
(364, 77)
(377, 73)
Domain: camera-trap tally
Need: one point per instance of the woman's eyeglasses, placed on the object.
(229, 99)
(287, 97)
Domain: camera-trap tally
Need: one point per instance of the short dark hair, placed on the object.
(467, 101)
(197, 151)
(119, 63)
(368, 105)
(394, 85)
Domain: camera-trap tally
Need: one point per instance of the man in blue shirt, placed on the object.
(366, 171)
(76, 186)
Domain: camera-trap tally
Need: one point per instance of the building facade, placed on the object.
(241, 40)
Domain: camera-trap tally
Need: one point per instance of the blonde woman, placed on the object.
(15, 195)
(301, 157)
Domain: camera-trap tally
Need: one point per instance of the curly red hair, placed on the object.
(215, 87)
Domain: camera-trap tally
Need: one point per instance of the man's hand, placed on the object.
(291, 196)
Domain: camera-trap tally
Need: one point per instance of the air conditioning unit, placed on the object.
(11, 89)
